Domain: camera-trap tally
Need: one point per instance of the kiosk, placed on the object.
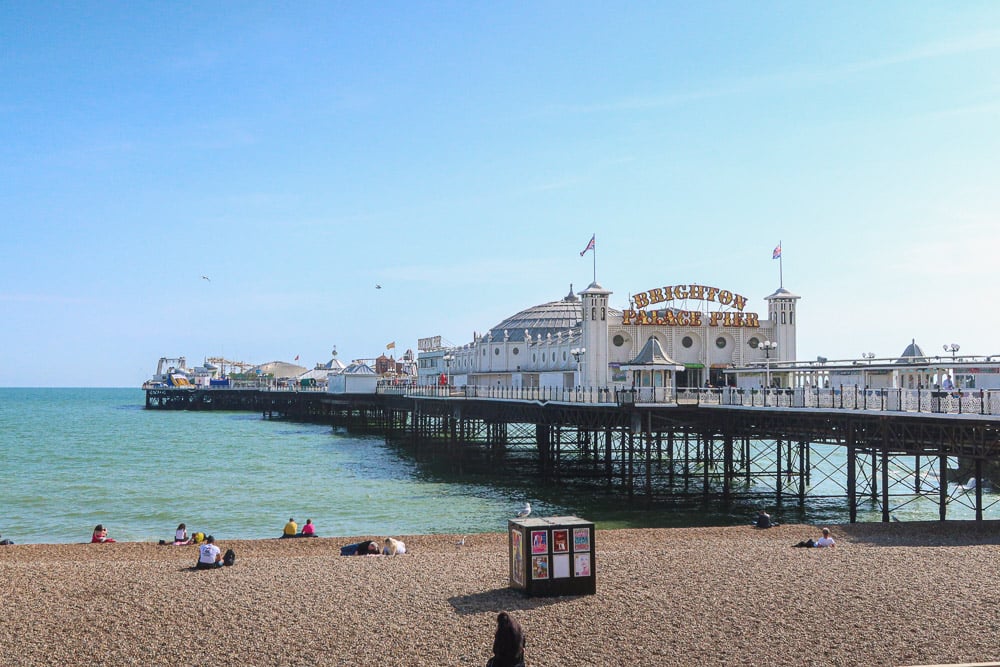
(552, 556)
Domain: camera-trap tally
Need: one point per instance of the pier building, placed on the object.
(684, 334)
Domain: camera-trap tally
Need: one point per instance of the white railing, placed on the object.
(978, 402)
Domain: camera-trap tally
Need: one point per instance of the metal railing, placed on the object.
(957, 402)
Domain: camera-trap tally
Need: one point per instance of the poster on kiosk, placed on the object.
(552, 556)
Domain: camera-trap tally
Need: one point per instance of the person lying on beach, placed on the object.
(393, 547)
(366, 548)
(100, 535)
(308, 530)
(5, 542)
(825, 541)
(291, 528)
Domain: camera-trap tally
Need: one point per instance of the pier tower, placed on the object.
(594, 366)
(781, 312)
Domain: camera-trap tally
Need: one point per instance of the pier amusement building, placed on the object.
(673, 335)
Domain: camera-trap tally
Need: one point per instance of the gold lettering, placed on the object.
(641, 300)
(628, 316)
(680, 292)
(714, 317)
(696, 292)
(655, 295)
(725, 297)
(694, 318)
(752, 320)
(710, 293)
(644, 318)
(670, 318)
(739, 301)
(668, 293)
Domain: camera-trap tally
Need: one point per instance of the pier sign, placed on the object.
(674, 317)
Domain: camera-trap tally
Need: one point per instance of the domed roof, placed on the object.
(546, 318)
(912, 354)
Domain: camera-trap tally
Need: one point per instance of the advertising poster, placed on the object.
(582, 565)
(560, 566)
(560, 541)
(540, 542)
(539, 567)
(517, 557)
(581, 539)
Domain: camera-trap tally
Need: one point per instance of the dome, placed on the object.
(912, 354)
(546, 318)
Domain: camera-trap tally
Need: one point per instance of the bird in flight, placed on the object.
(525, 511)
(206, 278)
(378, 287)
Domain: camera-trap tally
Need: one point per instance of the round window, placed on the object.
(686, 341)
(720, 342)
(618, 340)
(753, 342)
(515, 351)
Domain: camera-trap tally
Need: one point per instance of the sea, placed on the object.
(74, 458)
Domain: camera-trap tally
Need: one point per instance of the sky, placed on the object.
(461, 155)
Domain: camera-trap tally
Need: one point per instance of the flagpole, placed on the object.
(595, 256)
(781, 268)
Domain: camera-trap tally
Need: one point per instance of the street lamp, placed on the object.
(767, 346)
(578, 353)
(953, 348)
(864, 378)
(448, 358)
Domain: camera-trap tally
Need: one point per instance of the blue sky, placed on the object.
(462, 154)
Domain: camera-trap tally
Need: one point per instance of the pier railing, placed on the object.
(971, 402)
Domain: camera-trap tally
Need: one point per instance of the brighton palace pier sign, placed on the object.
(672, 317)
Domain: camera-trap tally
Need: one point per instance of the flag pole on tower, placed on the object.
(592, 245)
(777, 255)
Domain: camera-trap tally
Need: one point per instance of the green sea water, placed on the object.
(73, 458)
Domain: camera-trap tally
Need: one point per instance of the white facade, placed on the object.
(705, 329)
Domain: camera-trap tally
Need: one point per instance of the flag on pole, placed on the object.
(391, 346)
(296, 357)
(590, 245)
(777, 252)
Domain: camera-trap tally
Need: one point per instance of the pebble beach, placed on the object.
(887, 594)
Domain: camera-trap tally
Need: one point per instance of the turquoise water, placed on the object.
(72, 458)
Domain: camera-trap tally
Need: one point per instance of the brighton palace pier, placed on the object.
(687, 392)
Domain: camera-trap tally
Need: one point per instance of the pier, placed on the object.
(882, 447)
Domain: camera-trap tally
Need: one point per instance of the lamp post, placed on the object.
(953, 348)
(447, 359)
(578, 353)
(864, 377)
(767, 346)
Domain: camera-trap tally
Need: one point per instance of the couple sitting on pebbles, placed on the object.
(292, 529)
(390, 547)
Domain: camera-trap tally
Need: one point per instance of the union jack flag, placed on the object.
(777, 252)
(590, 245)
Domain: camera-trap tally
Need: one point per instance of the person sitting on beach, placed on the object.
(393, 547)
(763, 520)
(508, 643)
(5, 542)
(181, 536)
(826, 540)
(209, 555)
(100, 535)
(308, 530)
(291, 528)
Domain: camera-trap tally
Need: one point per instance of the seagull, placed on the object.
(206, 278)
(525, 511)
(461, 542)
(378, 287)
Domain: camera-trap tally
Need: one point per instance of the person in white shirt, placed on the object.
(947, 384)
(393, 547)
(826, 540)
(209, 555)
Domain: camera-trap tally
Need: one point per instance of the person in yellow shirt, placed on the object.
(291, 528)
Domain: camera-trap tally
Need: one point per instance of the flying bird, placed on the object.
(378, 287)
(206, 278)
(525, 511)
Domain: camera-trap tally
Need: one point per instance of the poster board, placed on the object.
(552, 556)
